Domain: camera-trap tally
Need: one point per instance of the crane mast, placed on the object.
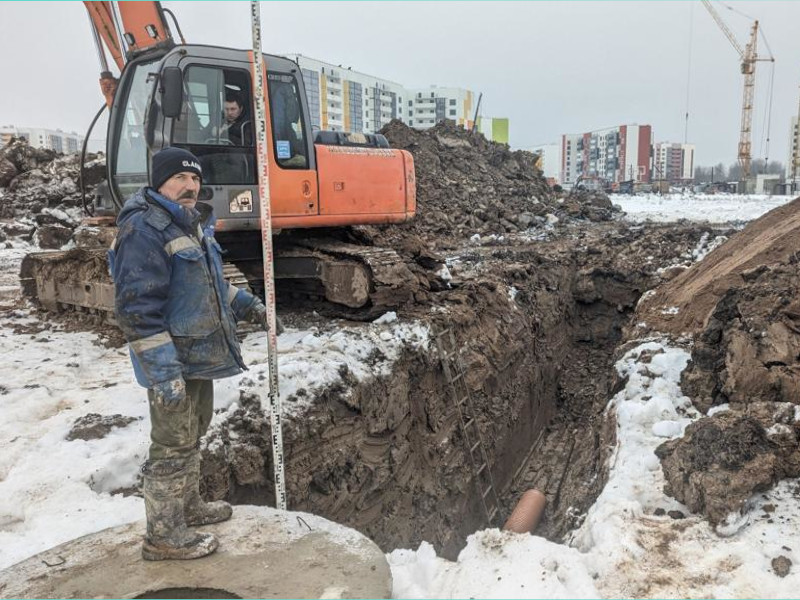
(749, 71)
(749, 58)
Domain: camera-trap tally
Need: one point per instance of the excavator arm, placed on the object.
(126, 30)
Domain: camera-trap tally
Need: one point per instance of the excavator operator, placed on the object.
(238, 126)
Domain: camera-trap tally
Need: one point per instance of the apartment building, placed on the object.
(428, 106)
(50, 139)
(673, 162)
(341, 99)
(609, 155)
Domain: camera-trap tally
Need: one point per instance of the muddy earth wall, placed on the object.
(388, 457)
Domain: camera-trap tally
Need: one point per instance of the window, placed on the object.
(452, 102)
(215, 124)
(410, 122)
(130, 168)
(288, 128)
(410, 103)
(432, 95)
(452, 112)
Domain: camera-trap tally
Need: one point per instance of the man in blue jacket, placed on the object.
(179, 316)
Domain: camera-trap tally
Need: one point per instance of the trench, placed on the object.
(390, 459)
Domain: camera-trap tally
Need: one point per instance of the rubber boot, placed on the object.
(195, 509)
(167, 535)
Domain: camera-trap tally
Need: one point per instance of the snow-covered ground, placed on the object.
(712, 208)
(52, 490)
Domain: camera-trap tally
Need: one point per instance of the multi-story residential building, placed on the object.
(57, 140)
(428, 106)
(673, 162)
(341, 99)
(607, 155)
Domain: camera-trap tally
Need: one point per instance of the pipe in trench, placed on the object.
(527, 513)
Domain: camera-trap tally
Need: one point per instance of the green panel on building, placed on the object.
(500, 130)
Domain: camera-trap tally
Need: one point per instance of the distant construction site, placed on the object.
(492, 380)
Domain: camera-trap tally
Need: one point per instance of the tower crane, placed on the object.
(749, 58)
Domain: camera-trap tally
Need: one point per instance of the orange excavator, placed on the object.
(176, 94)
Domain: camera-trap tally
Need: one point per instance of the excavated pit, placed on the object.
(387, 457)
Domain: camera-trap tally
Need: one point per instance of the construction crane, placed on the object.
(749, 58)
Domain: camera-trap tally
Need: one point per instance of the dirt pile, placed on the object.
(741, 307)
(467, 185)
(722, 460)
(40, 194)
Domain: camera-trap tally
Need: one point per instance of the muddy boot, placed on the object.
(167, 536)
(195, 509)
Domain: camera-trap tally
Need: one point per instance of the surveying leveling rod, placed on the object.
(260, 94)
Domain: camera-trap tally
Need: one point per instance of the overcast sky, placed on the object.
(551, 67)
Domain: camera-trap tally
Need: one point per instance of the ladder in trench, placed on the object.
(455, 374)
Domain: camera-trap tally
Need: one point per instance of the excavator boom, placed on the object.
(128, 29)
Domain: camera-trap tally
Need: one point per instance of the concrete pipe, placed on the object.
(527, 513)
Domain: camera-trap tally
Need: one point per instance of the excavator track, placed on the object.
(72, 279)
(348, 274)
(363, 280)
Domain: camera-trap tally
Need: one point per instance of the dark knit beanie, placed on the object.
(169, 161)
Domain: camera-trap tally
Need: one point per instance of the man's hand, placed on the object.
(258, 316)
(170, 394)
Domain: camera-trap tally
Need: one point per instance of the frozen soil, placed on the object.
(537, 321)
(740, 308)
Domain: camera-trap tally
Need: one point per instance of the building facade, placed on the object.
(607, 155)
(341, 99)
(49, 139)
(673, 162)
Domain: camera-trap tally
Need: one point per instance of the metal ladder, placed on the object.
(455, 375)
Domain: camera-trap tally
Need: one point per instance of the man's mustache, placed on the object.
(188, 194)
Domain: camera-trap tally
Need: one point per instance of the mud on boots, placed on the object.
(195, 510)
(167, 535)
(178, 313)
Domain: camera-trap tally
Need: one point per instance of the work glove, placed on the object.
(258, 316)
(170, 394)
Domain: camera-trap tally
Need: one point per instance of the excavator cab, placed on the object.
(142, 122)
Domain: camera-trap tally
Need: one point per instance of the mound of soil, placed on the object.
(740, 305)
(723, 460)
(41, 192)
(467, 185)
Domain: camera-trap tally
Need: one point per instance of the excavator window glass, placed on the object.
(288, 128)
(215, 124)
(130, 170)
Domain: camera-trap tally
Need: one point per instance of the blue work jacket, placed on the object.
(172, 302)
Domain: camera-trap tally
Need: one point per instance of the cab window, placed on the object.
(216, 124)
(288, 128)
